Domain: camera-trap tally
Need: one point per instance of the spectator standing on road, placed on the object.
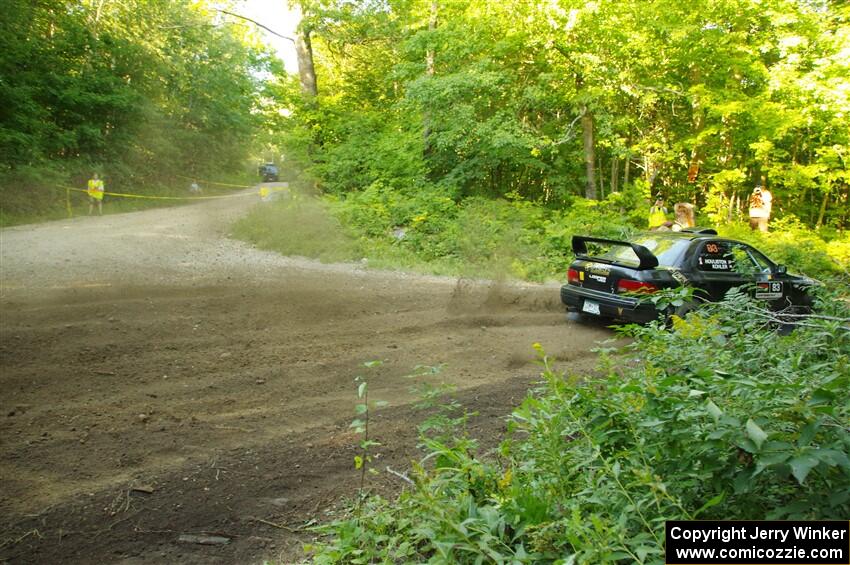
(657, 214)
(761, 201)
(95, 192)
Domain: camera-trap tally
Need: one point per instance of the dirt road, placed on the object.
(148, 351)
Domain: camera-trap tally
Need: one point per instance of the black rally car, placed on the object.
(607, 274)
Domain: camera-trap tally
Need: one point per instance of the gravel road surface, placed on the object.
(162, 380)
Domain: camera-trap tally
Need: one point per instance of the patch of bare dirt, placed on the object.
(147, 351)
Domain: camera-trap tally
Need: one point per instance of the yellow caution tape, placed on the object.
(146, 197)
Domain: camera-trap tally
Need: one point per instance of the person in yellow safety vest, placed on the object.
(95, 191)
(657, 214)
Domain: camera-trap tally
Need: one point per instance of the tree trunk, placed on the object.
(589, 154)
(699, 124)
(627, 170)
(822, 211)
(601, 170)
(429, 54)
(306, 70)
(651, 170)
(615, 172)
(304, 54)
(429, 70)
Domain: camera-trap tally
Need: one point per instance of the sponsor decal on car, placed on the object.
(598, 269)
(717, 264)
(679, 276)
(769, 290)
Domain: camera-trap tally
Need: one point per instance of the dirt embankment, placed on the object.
(149, 351)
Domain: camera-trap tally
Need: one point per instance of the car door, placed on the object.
(771, 284)
(722, 265)
(715, 270)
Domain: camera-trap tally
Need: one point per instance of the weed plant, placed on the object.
(719, 417)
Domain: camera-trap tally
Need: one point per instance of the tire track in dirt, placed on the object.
(223, 376)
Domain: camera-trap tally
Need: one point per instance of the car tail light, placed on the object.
(572, 276)
(628, 285)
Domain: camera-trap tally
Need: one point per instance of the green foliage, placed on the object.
(720, 417)
(480, 236)
(429, 230)
(140, 91)
(791, 243)
(297, 225)
(496, 100)
(367, 153)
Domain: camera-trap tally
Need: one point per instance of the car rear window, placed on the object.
(667, 249)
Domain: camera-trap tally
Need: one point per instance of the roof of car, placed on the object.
(690, 233)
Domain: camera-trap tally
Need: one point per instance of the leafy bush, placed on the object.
(791, 243)
(477, 235)
(719, 418)
(368, 152)
(526, 240)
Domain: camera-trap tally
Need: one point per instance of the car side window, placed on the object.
(764, 264)
(744, 262)
(716, 257)
(731, 257)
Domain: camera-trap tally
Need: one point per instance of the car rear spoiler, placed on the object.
(644, 255)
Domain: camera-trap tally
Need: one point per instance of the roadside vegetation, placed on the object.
(496, 238)
(147, 94)
(476, 138)
(719, 418)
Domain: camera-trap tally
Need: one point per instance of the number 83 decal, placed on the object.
(772, 289)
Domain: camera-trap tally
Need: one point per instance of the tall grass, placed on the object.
(296, 225)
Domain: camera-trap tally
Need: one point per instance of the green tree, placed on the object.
(143, 89)
(550, 101)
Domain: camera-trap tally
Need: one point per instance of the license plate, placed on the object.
(590, 307)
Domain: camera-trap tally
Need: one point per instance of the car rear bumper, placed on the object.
(610, 305)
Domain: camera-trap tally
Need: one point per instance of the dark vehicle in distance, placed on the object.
(268, 172)
(608, 284)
